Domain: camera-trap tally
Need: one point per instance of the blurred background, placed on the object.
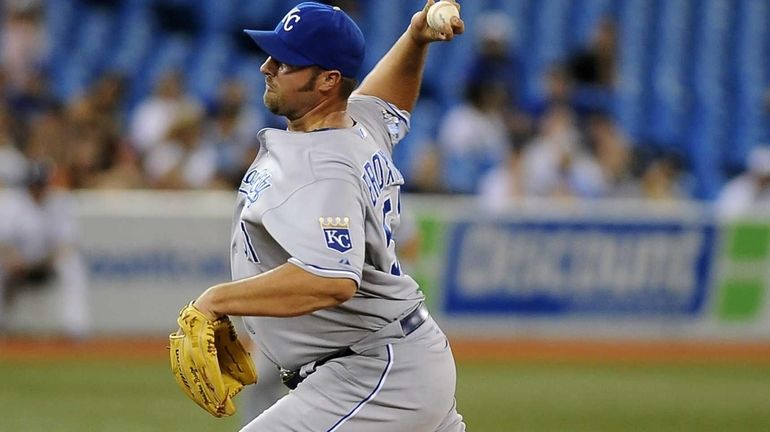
(588, 207)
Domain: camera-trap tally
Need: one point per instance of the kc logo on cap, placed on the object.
(290, 18)
(315, 34)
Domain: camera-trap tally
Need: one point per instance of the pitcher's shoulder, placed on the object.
(387, 124)
(342, 156)
(374, 108)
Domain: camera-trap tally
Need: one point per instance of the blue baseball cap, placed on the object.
(315, 34)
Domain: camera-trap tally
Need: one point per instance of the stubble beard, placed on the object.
(271, 102)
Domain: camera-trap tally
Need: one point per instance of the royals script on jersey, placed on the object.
(327, 201)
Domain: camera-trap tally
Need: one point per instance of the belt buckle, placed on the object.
(286, 375)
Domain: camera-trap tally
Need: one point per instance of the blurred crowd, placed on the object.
(566, 145)
(495, 143)
(169, 140)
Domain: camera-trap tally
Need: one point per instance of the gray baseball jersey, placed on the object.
(329, 202)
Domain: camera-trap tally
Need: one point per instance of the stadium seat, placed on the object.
(669, 92)
(207, 66)
(745, 116)
(583, 17)
(634, 19)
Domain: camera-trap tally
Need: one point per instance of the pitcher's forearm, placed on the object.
(284, 291)
(398, 75)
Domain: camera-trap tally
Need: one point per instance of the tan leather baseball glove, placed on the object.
(209, 363)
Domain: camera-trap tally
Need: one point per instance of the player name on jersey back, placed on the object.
(379, 173)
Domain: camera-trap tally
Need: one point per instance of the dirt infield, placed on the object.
(612, 351)
(464, 349)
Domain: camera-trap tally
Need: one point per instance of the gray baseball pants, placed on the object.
(407, 385)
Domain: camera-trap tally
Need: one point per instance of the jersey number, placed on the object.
(387, 209)
(248, 246)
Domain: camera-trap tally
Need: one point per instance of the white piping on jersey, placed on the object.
(372, 395)
(327, 272)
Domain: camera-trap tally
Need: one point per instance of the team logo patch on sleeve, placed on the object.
(392, 124)
(336, 233)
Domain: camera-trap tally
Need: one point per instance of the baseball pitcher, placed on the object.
(315, 273)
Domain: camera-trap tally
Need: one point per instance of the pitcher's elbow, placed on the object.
(343, 290)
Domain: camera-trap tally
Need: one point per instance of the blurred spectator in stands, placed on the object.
(32, 99)
(610, 147)
(98, 155)
(426, 171)
(594, 69)
(473, 137)
(39, 248)
(13, 164)
(750, 190)
(656, 174)
(558, 91)
(494, 60)
(661, 180)
(104, 102)
(124, 172)
(557, 163)
(89, 154)
(596, 64)
(497, 65)
(504, 185)
(153, 117)
(560, 162)
(48, 138)
(24, 48)
(232, 129)
(184, 160)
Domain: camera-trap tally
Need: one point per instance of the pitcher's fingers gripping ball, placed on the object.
(209, 363)
(440, 14)
(438, 21)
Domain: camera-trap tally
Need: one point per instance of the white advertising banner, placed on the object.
(150, 253)
(540, 269)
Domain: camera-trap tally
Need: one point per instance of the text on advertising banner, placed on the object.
(578, 267)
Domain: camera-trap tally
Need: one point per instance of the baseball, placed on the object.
(440, 13)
